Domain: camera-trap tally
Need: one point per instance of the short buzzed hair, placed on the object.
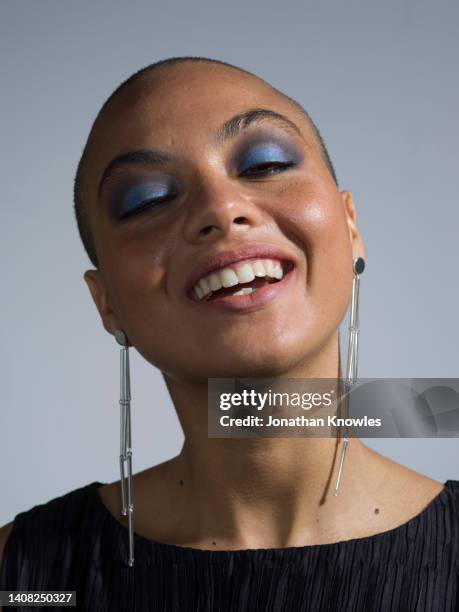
(80, 206)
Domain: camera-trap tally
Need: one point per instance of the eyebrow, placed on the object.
(227, 131)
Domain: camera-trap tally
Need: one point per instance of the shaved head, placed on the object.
(158, 70)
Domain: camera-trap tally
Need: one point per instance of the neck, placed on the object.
(262, 492)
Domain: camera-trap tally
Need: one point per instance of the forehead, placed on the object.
(180, 107)
(186, 98)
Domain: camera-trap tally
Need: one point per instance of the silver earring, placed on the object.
(127, 502)
(351, 370)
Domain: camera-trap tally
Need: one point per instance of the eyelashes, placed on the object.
(258, 162)
(144, 195)
(146, 204)
(267, 168)
(266, 157)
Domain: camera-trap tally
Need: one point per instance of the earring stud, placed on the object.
(125, 459)
(351, 369)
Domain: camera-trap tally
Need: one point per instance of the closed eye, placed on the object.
(267, 168)
(146, 204)
(261, 170)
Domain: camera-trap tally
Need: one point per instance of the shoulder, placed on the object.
(4, 533)
(450, 497)
(66, 507)
(434, 506)
(38, 536)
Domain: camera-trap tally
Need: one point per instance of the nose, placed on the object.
(218, 209)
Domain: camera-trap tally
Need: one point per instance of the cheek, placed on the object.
(134, 268)
(311, 204)
(312, 215)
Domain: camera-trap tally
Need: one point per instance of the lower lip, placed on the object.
(256, 299)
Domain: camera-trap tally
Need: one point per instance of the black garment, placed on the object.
(73, 542)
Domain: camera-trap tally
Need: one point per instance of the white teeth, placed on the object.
(228, 277)
(245, 274)
(259, 268)
(214, 282)
(198, 291)
(204, 285)
(269, 266)
(239, 273)
(245, 291)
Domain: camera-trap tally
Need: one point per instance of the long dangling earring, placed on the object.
(351, 370)
(127, 502)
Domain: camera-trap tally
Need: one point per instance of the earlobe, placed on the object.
(99, 295)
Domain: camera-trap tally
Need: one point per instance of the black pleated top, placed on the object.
(74, 543)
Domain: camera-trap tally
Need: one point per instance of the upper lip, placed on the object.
(218, 260)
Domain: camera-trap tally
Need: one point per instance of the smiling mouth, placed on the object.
(241, 279)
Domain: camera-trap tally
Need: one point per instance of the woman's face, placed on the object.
(194, 191)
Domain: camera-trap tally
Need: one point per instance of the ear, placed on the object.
(357, 243)
(99, 294)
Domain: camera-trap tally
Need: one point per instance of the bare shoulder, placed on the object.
(4, 533)
(413, 489)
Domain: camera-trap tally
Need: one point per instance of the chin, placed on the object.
(253, 354)
(261, 360)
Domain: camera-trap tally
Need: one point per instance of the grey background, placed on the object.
(379, 78)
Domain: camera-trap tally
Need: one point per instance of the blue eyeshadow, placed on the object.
(139, 193)
(136, 194)
(267, 152)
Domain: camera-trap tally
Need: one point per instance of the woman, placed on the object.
(193, 166)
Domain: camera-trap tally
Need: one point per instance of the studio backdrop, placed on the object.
(380, 81)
